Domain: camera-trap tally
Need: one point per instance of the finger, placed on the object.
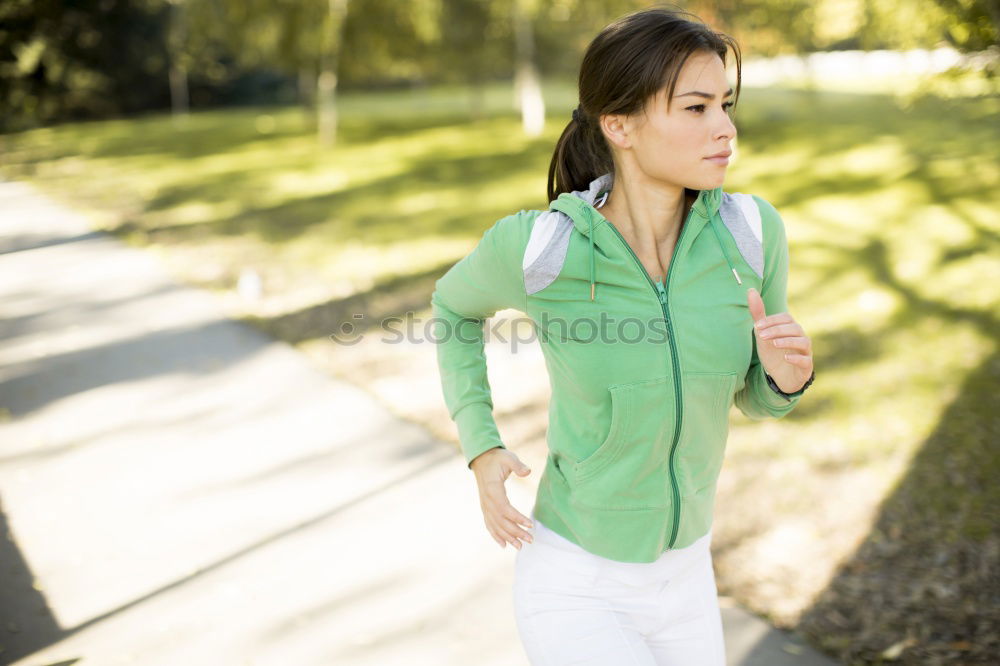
(499, 505)
(513, 514)
(510, 538)
(496, 538)
(801, 360)
(509, 531)
(780, 330)
(516, 530)
(504, 528)
(756, 304)
(793, 342)
(497, 533)
(771, 320)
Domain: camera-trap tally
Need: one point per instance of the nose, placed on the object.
(727, 128)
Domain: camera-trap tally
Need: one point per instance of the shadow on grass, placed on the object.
(360, 212)
(771, 122)
(363, 311)
(928, 571)
(814, 127)
(848, 120)
(211, 132)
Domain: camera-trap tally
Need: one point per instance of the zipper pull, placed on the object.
(662, 293)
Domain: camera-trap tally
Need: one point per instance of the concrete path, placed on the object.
(178, 489)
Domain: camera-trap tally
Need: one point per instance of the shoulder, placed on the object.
(770, 218)
(756, 227)
(765, 205)
(527, 232)
(520, 222)
(775, 240)
(755, 214)
(544, 252)
(511, 233)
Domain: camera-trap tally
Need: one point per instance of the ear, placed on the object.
(617, 128)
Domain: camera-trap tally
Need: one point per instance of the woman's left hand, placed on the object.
(783, 347)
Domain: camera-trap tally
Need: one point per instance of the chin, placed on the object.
(707, 184)
(712, 183)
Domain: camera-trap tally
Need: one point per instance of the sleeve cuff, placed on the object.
(477, 430)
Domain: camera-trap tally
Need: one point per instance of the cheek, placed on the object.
(670, 150)
(688, 139)
(684, 148)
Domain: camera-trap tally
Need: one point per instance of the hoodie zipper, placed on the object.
(661, 295)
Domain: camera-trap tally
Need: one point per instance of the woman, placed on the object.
(661, 301)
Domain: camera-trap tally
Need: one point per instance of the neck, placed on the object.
(649, 214)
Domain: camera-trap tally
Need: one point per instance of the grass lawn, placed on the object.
(866, 518)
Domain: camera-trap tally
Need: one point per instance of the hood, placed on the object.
(581, 207)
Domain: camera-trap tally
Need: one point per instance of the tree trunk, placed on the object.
(326, 81)
(179, 103)
(178, 89)
(326, 107)
(306, 87)
(527, 83)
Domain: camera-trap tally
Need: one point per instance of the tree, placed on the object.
(178, 59)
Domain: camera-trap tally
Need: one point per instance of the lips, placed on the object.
(720, 159)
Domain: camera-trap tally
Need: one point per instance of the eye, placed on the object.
(701, 107)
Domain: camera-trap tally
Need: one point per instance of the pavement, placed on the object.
(178, 488)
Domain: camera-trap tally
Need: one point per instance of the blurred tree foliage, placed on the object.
(971, 25)
(102, 58)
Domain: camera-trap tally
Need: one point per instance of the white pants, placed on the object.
(574, 607)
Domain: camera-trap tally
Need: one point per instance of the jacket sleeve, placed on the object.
(757, 399)
(486, 280)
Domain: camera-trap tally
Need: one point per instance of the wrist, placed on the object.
(483, 456)
(789, 394)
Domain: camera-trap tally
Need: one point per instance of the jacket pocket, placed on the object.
(704, 429)
(629, 468)
(608, 450)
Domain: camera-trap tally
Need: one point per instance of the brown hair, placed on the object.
(627, 63)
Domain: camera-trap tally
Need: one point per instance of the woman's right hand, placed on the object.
(492, 467)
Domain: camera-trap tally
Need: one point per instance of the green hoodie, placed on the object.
(642, 374)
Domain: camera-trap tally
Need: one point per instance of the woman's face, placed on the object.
(671, 146)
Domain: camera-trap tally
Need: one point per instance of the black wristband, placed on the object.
(789, 396)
